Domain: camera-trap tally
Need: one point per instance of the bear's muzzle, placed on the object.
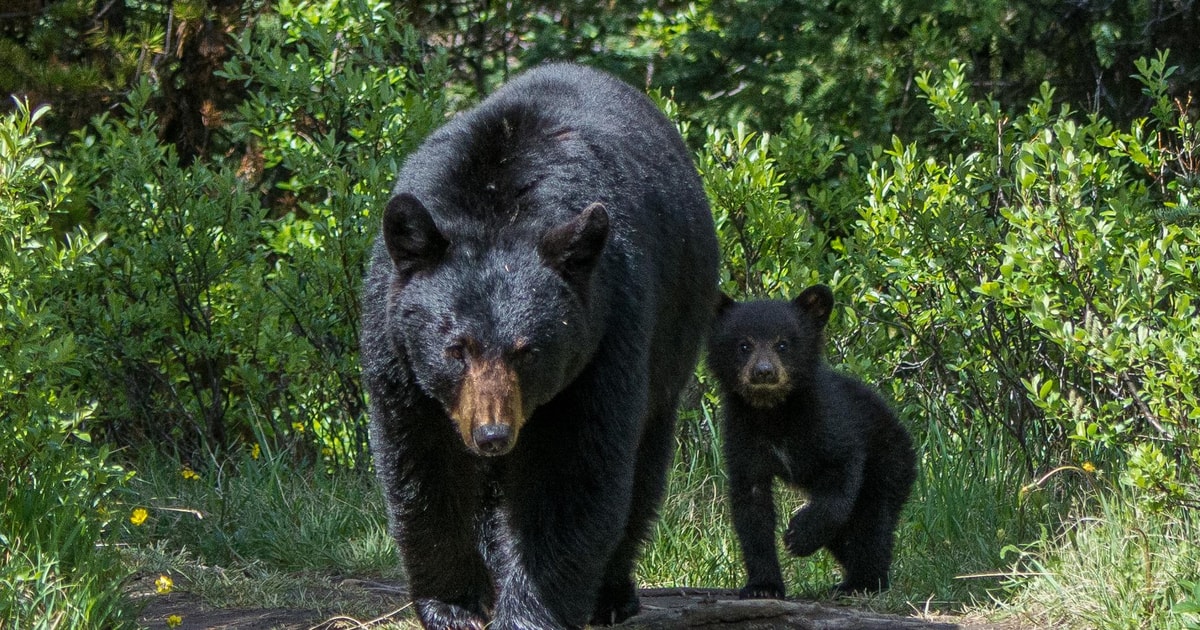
(488, 410)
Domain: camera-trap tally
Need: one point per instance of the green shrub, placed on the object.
(1031, 283)
(1103, 255)
(341, 94)
(778, 202)
(166, 310)
(54, 573)
(766, 242)
(223, 310)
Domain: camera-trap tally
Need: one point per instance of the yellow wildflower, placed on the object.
(188, 473)
(173, 621)
(298, 427)
(255, 451)
(1088, 467)
(138, 517)
(163, 584)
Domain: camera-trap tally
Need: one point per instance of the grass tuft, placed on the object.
(265, 510)
(1124, 566)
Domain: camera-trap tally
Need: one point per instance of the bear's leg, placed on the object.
(753, 511)
(448, 581)
(864, 549)
(752, 505)
(618, 599)
(435, 510)
(567, 498)
(551, 567)
(832, 499)
(450, 588)
(433, 496)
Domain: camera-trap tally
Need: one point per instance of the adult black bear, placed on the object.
(787, 415)
(536, 300)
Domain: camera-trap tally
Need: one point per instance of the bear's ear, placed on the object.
(412, 239)
(572, 248)
(724, 303)
(816, 302)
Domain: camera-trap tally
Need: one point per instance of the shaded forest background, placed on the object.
(1000, 193)
(849, 65)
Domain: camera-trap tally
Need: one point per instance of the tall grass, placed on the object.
(967, 506)
(55, 571)
(262, 530)
(1117, 565)
(267, 510)
(693, 543)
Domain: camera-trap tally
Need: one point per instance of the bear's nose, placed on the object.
(492, 439)
(763, 373)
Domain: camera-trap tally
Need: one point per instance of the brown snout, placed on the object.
(764, 381)
(488, 410)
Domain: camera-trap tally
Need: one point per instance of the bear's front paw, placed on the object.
(798, 543)
(617, 602)
(439, 615)
(762, 590)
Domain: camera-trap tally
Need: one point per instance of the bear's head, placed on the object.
(492, 329)
(760, 350)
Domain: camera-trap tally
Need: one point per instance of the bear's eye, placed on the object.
(782, 346)
(525, 355)
(744, 347)
(455, 352)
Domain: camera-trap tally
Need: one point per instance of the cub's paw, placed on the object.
(798, 543)
(764, 590)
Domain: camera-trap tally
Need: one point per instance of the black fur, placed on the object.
(788, 416)
(535, 303)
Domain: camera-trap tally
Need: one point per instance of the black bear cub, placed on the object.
(788, 415)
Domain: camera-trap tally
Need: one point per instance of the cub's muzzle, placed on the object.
(764, 381)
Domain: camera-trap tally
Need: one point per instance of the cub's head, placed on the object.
(492, 329)
(761, 350)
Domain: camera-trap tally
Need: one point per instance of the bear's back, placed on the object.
(545, 146)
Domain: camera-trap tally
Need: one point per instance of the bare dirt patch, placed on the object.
(662, 609)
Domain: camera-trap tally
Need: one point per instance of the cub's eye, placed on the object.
(744, 347)
(455, 352)
(782, 346)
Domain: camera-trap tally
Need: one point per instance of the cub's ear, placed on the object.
(573, 247)
(815, 302)
(412, 239)
(724, 303)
